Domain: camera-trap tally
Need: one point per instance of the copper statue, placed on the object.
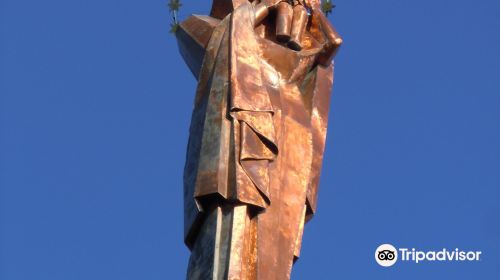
(257, 134)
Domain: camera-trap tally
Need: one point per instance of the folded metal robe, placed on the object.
(233, 135)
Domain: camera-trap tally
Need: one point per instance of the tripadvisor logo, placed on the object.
(387, 255)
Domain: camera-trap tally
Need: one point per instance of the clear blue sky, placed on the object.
(95, 103)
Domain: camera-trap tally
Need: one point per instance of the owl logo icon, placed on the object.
(386, 255)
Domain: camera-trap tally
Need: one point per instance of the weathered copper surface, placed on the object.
(299, 24)
(284, 20)
(257, 134)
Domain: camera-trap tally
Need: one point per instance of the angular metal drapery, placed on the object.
(257, 136)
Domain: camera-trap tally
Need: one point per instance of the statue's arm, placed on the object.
(332, 42)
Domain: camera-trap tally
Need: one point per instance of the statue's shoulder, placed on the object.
(193, 36)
